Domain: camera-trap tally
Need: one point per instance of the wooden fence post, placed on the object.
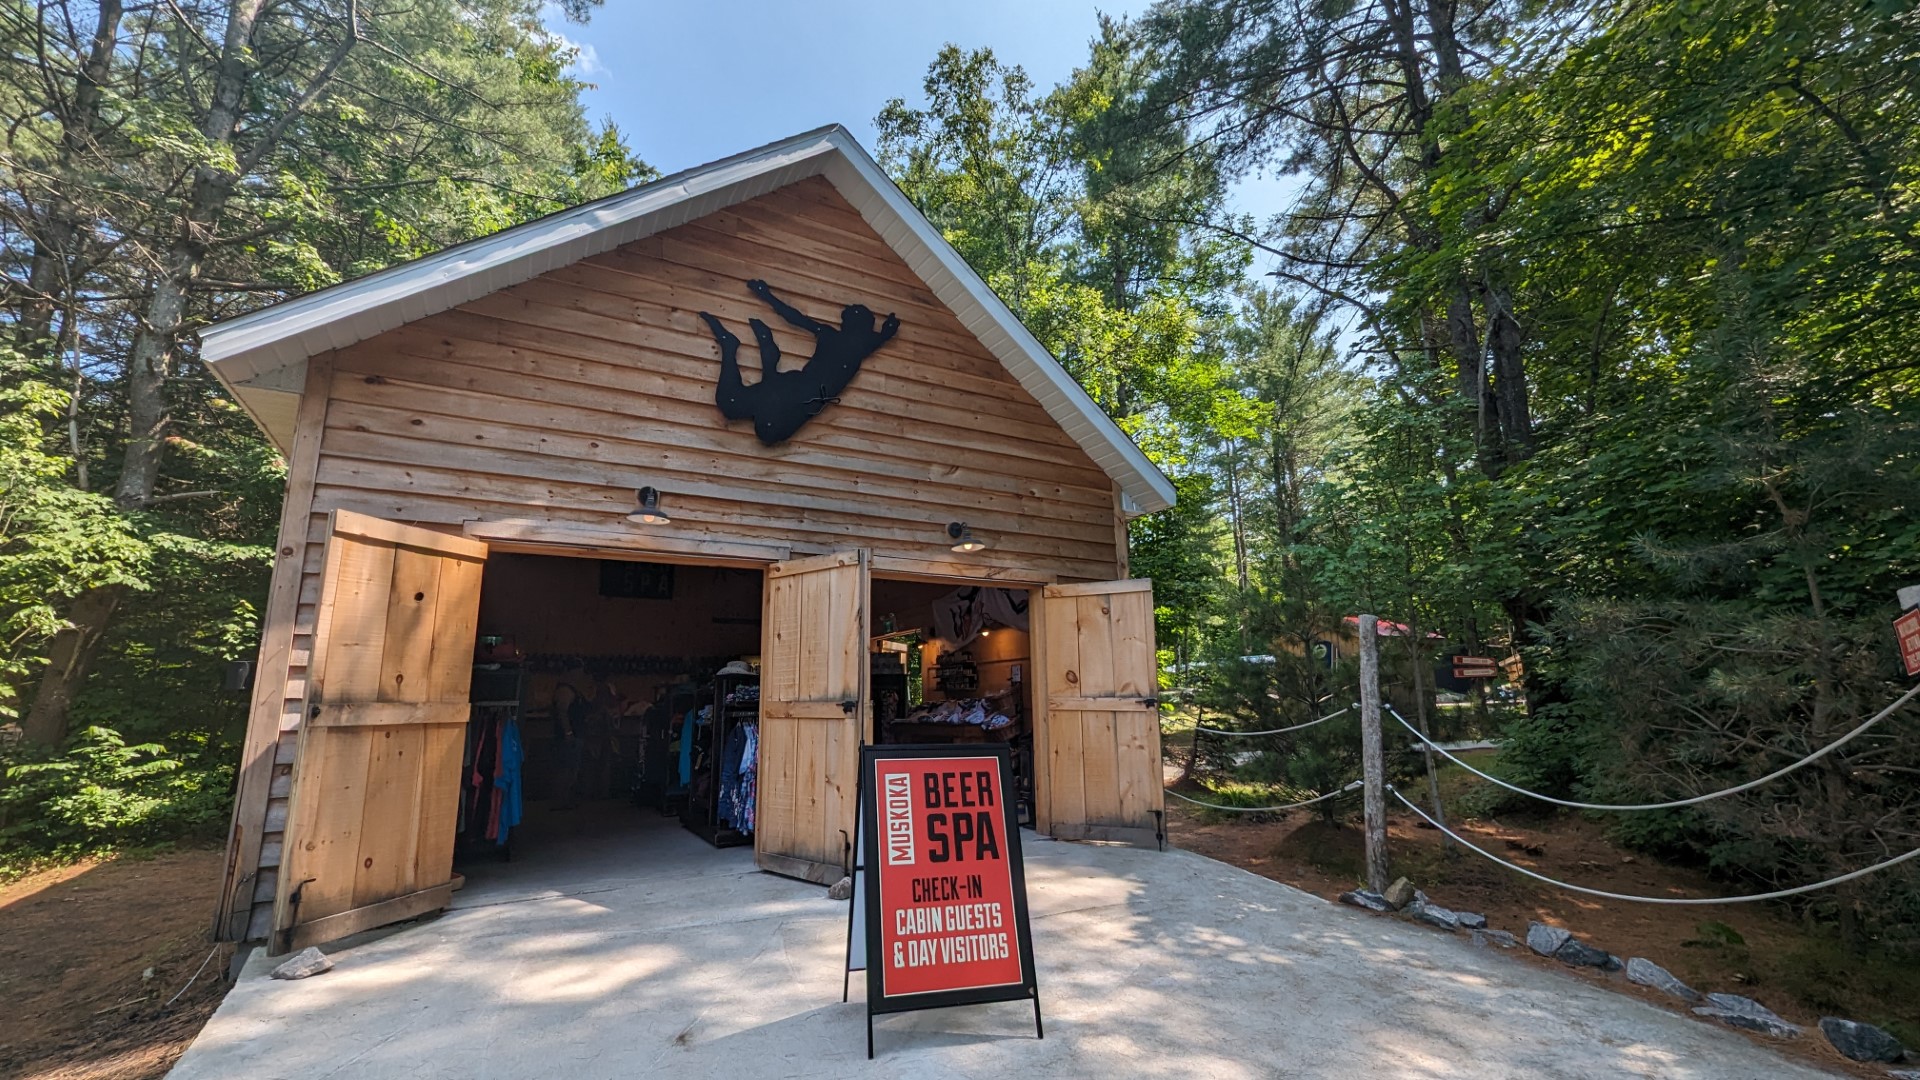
(1372, 761)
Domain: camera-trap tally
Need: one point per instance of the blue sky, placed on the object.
(690, 81)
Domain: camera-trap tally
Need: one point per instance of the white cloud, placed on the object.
(586, 60)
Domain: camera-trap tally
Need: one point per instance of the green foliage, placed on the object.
(55, 542)
(1638, 289)
(103, 792)
(431, 123)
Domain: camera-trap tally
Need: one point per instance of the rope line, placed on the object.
(1748, 786)
(190, 982)
(1274, 731)
(1263, 809)
(1777, 894)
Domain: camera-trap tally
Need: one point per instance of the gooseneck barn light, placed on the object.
(649, 512)
(963, 539)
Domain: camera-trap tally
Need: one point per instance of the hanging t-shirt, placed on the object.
(507, 776)
(686, 749)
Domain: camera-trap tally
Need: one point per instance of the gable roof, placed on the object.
(261, 356)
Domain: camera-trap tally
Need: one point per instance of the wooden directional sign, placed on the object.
(1475, 667)
(1907, 629)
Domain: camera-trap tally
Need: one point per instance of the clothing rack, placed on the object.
(712, 746)
(489, 799)
(658, 785)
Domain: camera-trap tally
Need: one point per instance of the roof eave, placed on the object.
(266, 350)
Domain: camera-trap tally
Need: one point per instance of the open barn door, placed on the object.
(813, 714)
(376, 780)
(1100, 741)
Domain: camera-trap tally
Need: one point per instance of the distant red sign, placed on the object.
(1474, 661)
(1475, 673)
(1907, 629)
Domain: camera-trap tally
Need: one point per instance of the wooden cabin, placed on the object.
(754, 424)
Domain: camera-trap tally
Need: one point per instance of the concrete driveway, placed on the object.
(654, 954)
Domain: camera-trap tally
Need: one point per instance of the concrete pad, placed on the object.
(648, 952)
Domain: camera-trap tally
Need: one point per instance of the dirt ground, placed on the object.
(1776, 961)
(89, 956)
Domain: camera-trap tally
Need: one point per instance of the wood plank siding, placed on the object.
(553, 400)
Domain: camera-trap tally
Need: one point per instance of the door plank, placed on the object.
(322, 856)
(356, 627)
(1101, 704)
(440, 754)
(392, 805)
(456, 625)
(406, 664)
(387, 713)
(1100, 588)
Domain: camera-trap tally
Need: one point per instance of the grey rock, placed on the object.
(1903, 1074)
(1746, 1013)
(1647, 973)
(1861, 1042)
(1471, 920)
(1434, 915)
(1580, 954)
(1546, 940)
(1364, 898)
(1400, 893)
(1497, 937)
(841, 890)
(306, 962)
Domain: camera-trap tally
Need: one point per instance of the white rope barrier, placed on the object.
(1778, 894)
(1748, 786)
(1274, 731)
(1355, 786)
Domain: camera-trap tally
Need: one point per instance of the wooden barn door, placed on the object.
(1101, 735)
(813, 714)
(376, 781)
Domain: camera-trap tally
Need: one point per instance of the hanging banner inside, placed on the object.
(940, 881)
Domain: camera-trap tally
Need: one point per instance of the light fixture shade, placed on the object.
(963, 539)
(648, 512)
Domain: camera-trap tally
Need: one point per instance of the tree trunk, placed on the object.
(57, 250)
(152, 356)
(68, 658)
(1509, 375)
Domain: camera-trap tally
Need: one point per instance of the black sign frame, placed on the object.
(868, 879)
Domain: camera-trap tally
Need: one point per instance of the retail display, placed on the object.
(492, 786)
(719, 755)
(979, 712)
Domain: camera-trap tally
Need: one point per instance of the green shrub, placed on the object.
(102, 793)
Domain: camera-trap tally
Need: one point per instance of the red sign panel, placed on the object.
(1475, 672)
(946, 877)
(1907, 629)
(938, 882)
(1473, 661)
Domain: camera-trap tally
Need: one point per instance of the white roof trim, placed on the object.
(264, 352)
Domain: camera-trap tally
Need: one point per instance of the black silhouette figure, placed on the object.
(782, 401)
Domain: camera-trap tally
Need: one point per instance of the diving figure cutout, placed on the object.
(783, 401)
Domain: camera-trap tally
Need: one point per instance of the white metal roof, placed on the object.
(261, 356)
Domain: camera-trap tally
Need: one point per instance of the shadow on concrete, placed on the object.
(639, 949)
